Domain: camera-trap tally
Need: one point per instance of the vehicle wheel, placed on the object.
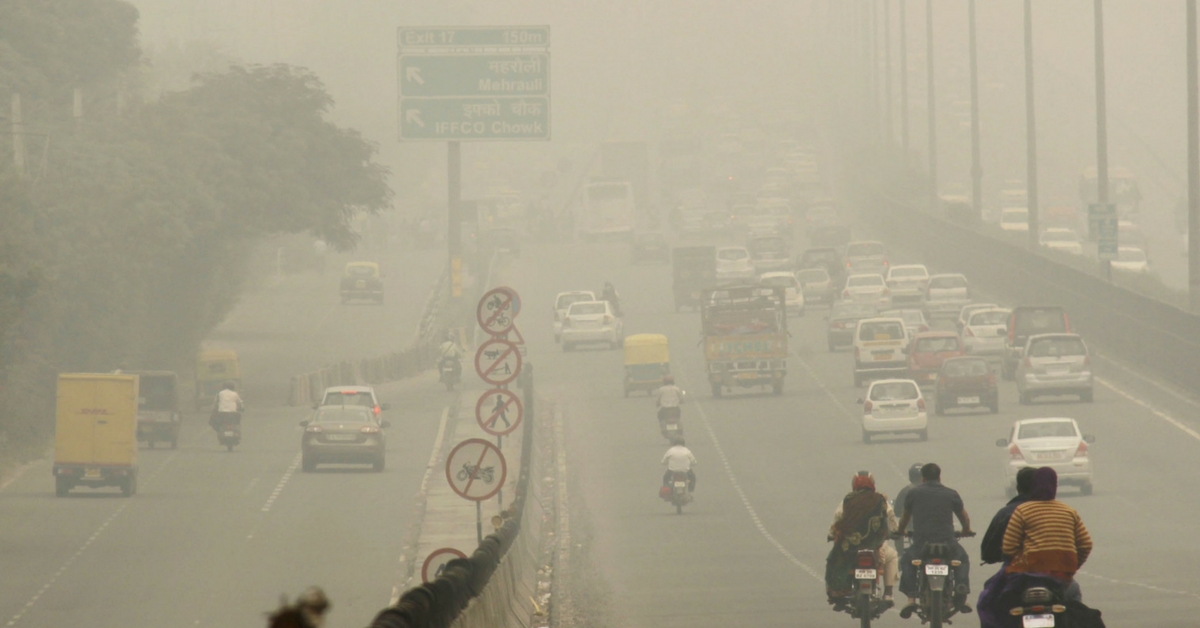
(308, 464)
(1086, 489)
(939, 407)
(832, 347)
(777, 387)
(229, 447)
(127, 487)
(150, 444)
(62, 486)
(716, 390)
(1087, 397)
(134, 482)
(378, 465)
(923, 435)
(935, 609)
(679, 509)
(864, 611)
(866, 437)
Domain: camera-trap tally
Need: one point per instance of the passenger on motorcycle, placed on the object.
(931, 507)
(610, 294)
(914, 480)
(679, 459)
(863, 520)
(227, 408)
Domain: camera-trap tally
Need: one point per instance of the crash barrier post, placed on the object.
(498, 585)
(1156, 336)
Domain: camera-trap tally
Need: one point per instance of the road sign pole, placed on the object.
(454, 224)
(479, 522)
(1101, 119)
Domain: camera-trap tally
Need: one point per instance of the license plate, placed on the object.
(1058, 370)
(230, 434)
(937, 570)
(968, 400)
(881, 357)
(1045, 620)
(360, 284)
(865, 574)
(340, 437)
(747, 376)
(91, 473)
(681, 485)
(1048, 455)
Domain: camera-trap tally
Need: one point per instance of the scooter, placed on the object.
(677, 491)
(1040, 608)
(450, 372)
(228, 426)
(669, 423)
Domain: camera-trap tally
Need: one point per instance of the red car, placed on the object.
(967, 382)
(927, 352)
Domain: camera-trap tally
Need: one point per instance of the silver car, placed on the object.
(907, 282)
(1055, 364)
(1053, 442)
(985, 332)
(945, 295)
(867, 288)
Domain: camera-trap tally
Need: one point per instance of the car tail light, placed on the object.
(607, 319)
(1087, 362)
(921, 404)
(846, 293)
(370, 429)
(991, 378)
(315, 429)
(1082, 450)
(887, 291)
(868, 406)
(856, 353)
(377, 409)
(1014, 452)
(968, 333)
(1028, 362)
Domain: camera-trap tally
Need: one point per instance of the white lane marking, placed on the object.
(1142, 585)
(762, 529)
(287, 475)
(849, 416)
(250, 485)
(1183, 427)
(83, 548)
(17, 473)
(398, 590)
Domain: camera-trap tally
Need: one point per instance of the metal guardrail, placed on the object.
(1159, 337)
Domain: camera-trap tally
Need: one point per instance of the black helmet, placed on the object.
(914, 473)
(678, 441)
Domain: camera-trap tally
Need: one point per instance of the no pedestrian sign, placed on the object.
(498, 362)
(499, 411)
(476, 469)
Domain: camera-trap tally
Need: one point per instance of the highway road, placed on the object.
(214, 538)
(751, 549)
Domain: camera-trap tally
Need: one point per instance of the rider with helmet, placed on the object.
(863, 520)
(614, 300)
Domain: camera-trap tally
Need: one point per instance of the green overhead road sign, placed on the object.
(474, 37)
(505, 118)
(474, 83)
(1103, 221)
(474, 75)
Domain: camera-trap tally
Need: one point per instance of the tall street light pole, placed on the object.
(903, 22)
(889, 138)
(1193, 118)
(1101, 121)
(976, 165)
(1031, 172)
(933, 174)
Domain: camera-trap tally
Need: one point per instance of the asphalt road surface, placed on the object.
(751, 549)
(214, 538)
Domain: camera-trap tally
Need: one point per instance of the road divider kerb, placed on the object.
(408, 551)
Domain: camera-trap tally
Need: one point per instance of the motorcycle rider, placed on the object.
(610, 294)
(227, 407)
(679, 459)
(931, 508)
(669, 398)
(863, 520)
(449, 350)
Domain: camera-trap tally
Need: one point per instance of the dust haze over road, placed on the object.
(768, 101)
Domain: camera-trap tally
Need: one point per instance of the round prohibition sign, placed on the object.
(499, 411)
(476, 469)
(496, 310)
(436, 562)
(498, 362)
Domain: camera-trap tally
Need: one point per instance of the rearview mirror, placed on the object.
(385, 424)
(385, 406)
(1002, 442)
(1088, 438)
(304, 424)
(860, 400)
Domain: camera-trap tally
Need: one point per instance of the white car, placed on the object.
(946, 295)
(1062, 239)
(1055, 364)
(914, 320)
(967, 310)
(907, 282)
(817, 285)
(1131, 259)
(1015, 219)
(361, 396)
(894, 406)
(562, 302)
(733, 263)
(867, 288)
(1054, 442)
(591, 322)
(879, 349)
(793, 293)
(986, 332)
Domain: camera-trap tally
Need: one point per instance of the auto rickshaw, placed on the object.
(213, 369)
(647, 360)
(362, 280)
(158, 408)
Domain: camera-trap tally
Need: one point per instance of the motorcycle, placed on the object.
(228, 426)
(669, 423)
(935, 571)
(867, 602)
(1040, 608)
(676, 491)
(450, 372)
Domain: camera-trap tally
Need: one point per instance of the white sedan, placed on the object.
(1053, 442)
(591, 322)
(562, 302)
(733, 263)
(1131, 259)
(894, 406)
(867, 288)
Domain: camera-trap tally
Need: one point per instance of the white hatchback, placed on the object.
(562, 302)
(1053, 442)
(867, 288)
(907, 282)
(733, 263)
(894, 406)
(591, 322)
(793, 294)
(986, 332)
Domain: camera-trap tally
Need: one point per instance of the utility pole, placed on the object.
(1101, 122)
(903, 21)
(873, 74)
(933, 174)
(887, 76)
(1031, 172)
(18, 133)
(976, 165)
(454, 225)
(1193, 117)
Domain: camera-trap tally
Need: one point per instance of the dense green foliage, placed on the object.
(131, 244)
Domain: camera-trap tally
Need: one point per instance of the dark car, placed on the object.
(342, 435)
(650, 247)
(826, 257)
(842, 320)
(966, 382)
(362, 280)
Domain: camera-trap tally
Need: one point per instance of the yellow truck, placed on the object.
(95, 435)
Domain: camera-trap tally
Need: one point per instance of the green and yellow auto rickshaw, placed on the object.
(647, 360)
(213, 369)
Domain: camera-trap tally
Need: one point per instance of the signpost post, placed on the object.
(476, 470)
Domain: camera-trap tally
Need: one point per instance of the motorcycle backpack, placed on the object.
(1081, 616)
(664, 492)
